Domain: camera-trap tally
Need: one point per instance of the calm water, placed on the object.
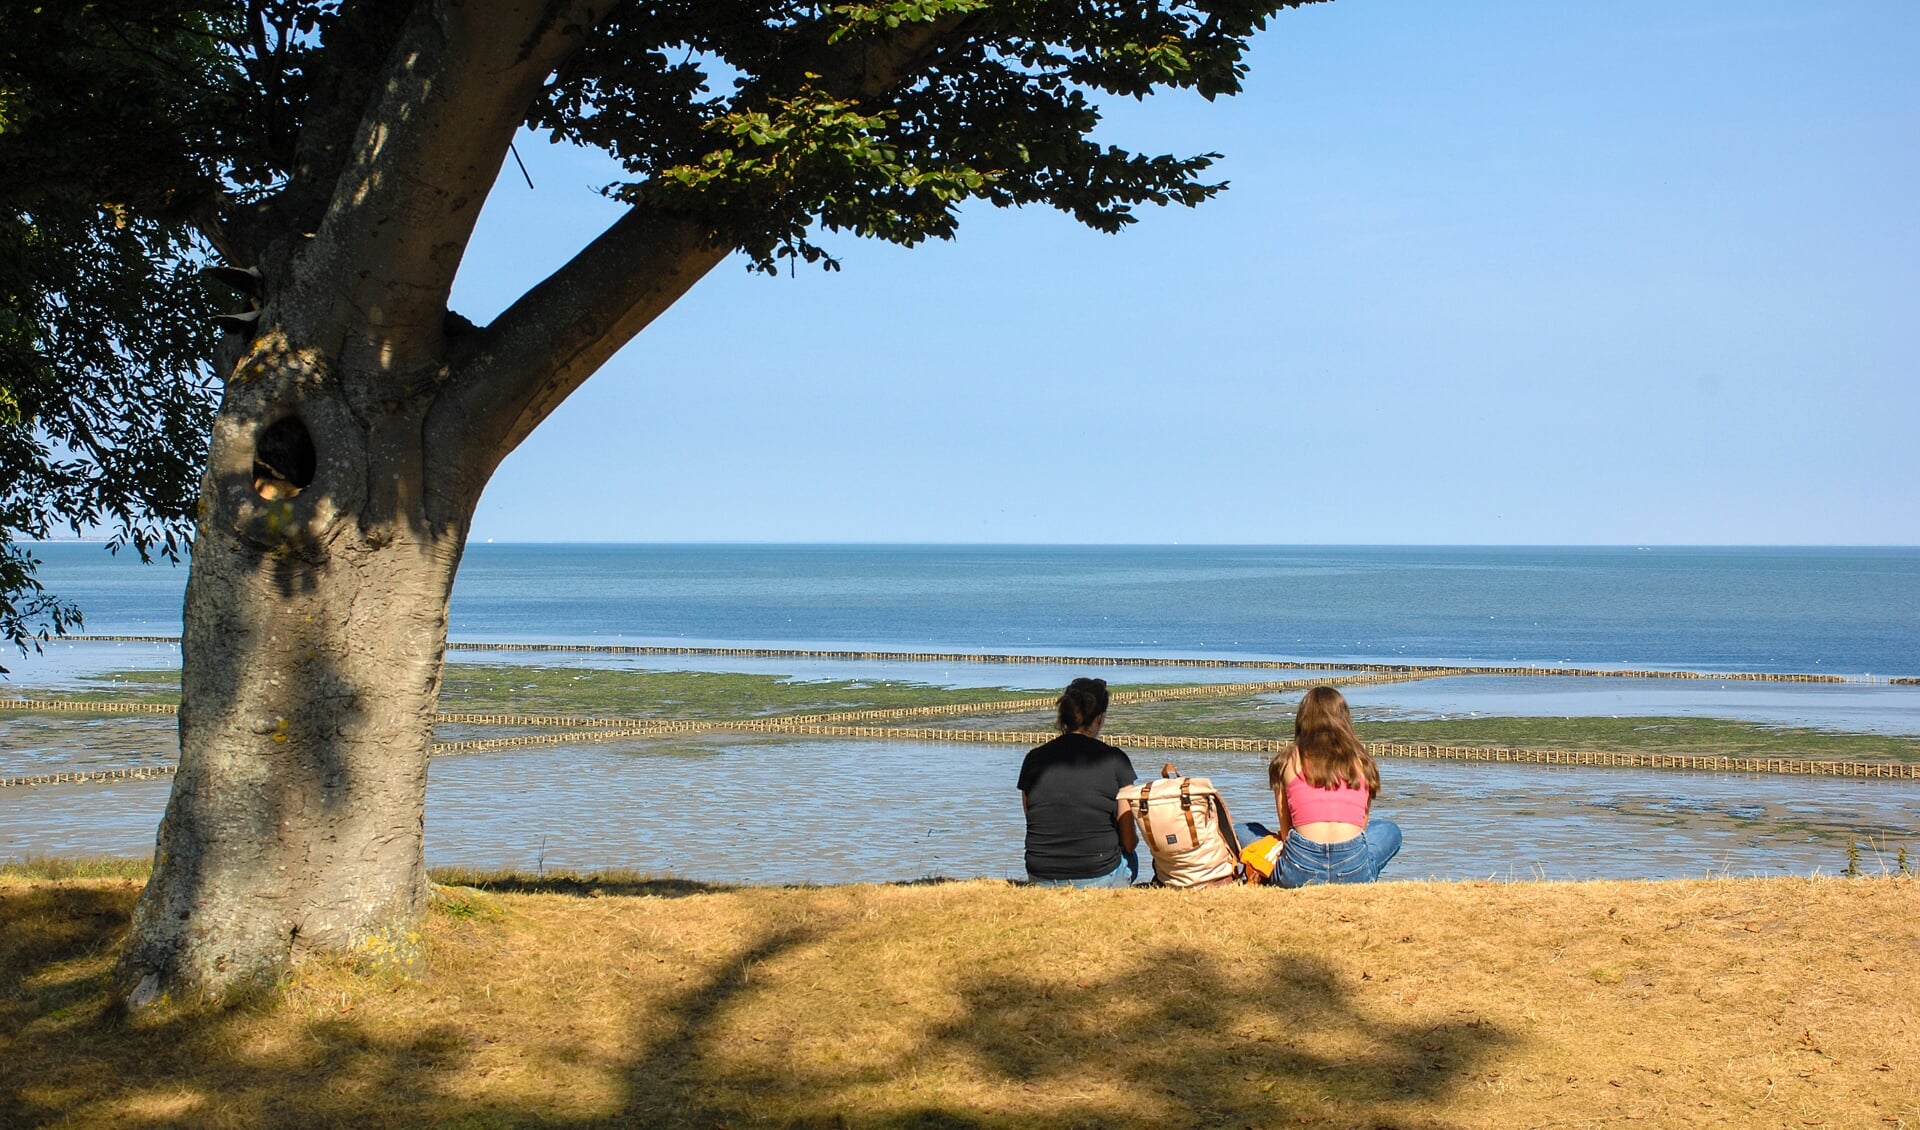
(1850, 611)
(902, 811)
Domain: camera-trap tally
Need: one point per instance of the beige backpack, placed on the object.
(1184, 822)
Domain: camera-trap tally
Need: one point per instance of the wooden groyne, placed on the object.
(1422, 669)
(1697, 762)
(1268, 747)
(1711, 763)
(84, 706)
(617, 730)
(575, 729)
(95, 777)
(1425, 670)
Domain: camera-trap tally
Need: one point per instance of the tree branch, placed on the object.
(346, 70)
(209, 219)
(371, 286)
(872, 65)
(543, 347)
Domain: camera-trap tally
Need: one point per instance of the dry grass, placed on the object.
(620, 1001)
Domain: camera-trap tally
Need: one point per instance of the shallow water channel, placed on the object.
(805, 810)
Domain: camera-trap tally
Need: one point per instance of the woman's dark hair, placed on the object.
(1082, 702)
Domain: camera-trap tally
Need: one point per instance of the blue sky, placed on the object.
(1488, 273)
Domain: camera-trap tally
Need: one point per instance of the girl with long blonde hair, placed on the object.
(1323, 789)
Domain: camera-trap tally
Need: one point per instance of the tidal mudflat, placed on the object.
(778, 810)
(782, 810)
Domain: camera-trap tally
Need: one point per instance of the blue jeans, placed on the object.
(1121, 876)
(1358, 860)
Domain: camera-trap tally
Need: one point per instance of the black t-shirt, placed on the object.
(1071, 784)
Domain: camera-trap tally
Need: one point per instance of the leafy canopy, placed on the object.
(105, 388)
(764, 118)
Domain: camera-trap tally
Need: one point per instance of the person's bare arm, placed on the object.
(1280, 800)
(1129, 834)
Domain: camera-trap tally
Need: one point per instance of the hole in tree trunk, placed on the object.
(283, 459)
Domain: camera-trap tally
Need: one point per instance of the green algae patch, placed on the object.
(479, 688)
(627, 695)
(681, 694)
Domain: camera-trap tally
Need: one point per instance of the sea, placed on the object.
(948, 810)
(1853, 611)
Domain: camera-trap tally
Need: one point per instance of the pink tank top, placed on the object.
(1342, 804)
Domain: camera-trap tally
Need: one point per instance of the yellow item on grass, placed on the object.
(1262, 855)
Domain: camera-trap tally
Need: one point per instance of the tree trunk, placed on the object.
(360, 422)
(315, 625)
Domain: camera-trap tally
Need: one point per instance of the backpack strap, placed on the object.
(1140, 815)
(1186, 809)
(1226, 824)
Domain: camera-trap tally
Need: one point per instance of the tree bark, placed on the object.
(334, 512)
(315, 624)
(330, 529)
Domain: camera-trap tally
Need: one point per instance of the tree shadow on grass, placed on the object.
(1169, 1036)
(1183, 1036)
(1172, 1039)
(68, 1056)
(71, 1057)
(41, 929)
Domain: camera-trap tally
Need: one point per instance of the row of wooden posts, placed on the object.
(1416, 669)
(845, 724)
(1709, 763)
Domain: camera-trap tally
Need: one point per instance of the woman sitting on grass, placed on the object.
(1077, 833)
(1323, 787)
